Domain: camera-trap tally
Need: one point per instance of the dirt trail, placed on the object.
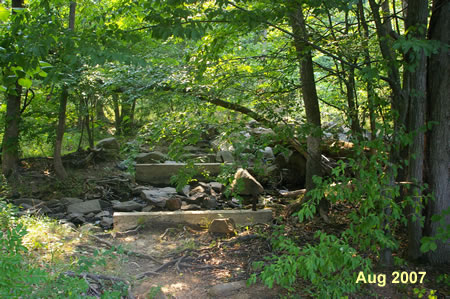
(195, 262)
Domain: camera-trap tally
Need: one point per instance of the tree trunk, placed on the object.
(439, 144)
(313, 161)
(57, 161)
(398, 105)
(10, 145)
(117, 114)
(414, 87)
(367, 63)
(352, 106)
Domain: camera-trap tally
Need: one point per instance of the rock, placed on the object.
(152, 157)
(203, 144)
(102, 214)
(56, 206)
(30, 202)
(89, 227)
(107, 222)
(127, 206)
(173, 203)
(196, 190)
(260, 131)
(268, 154)
(226, 289)
(123, 165)
(168, 190)
(108, 143)
(225, 157)
(67, 201)
(147, 209)
(185, 191)
(222, 226)
(297, 165)
(217, 187)
(85, 207)
(58, 215)
(245, 184)
(158, 197)
(76, 218)
(191, 207)
(197, 198)
(138, 189)
(68, 224)
(191, 149)
(90, 215)
(210, 203)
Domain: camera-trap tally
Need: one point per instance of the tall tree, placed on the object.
(439, 138)
(57, 162)
(311, 101)
(10, 145)
(414, 87)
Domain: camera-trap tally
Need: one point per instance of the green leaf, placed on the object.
(44, 64)
(43, 74)
(2, 88)
(4, 13)
(25, 82)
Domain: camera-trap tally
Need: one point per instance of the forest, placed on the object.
(331, 117)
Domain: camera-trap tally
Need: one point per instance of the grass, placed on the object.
(36, 251)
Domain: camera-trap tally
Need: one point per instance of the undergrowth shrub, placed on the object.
(23, 275)
(331, 265)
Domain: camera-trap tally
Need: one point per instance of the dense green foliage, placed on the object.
(22, 275)
(166, 73)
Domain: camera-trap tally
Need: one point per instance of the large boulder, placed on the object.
(297, 166)
(158, 197)
(127, 206)
(245, 184)
(222, 226)
(225, 157)
(173, 203)
(152, 157)
(86, 207)
(108, 144)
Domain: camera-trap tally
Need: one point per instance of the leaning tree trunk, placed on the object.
(313, 161)
(57, 161)
(10, 146)
(439, 143)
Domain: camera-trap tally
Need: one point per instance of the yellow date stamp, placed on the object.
(402, 277)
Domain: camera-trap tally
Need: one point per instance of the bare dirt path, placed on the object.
(194, 264)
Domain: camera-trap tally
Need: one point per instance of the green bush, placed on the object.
(331, 266)
(22, 276)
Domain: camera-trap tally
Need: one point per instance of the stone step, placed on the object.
(160, 174)
(128, 220)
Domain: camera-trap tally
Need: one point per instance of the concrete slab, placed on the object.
(127, 220)
(160, 174)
